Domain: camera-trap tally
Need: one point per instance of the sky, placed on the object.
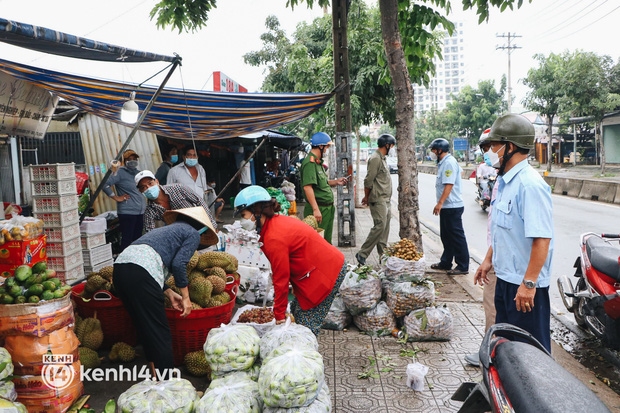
(235, 26)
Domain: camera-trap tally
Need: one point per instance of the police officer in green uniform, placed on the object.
(378, 195)
(317, 188)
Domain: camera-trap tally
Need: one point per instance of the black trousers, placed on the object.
(453, 239)
(131, 228)
(144, 300)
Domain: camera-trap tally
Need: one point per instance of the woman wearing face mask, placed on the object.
(190, 173)
(130, 204)
(162, 198)
(298, 255)
(170, 159)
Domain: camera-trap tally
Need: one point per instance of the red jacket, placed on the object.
(299, 255)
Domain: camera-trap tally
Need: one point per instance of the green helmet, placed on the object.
(512, 128)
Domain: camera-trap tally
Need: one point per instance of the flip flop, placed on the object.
(438, 266)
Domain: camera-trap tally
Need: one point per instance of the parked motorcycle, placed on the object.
(522, 377)
(485, 190)
(594, 300)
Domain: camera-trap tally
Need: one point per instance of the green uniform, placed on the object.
(313, 173)
(379, 181)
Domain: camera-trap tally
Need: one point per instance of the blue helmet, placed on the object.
(320, 138)
(250, 196)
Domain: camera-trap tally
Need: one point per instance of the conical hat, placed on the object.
(199, 214)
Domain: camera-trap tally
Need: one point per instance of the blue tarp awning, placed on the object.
(176, 113)
(50, 41)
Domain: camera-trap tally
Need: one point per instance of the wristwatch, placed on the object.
(529, 284)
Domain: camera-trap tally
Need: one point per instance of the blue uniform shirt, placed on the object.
(522, 211)
(449, 172)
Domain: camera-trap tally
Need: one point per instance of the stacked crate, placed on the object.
(54, 201)
(95, 252)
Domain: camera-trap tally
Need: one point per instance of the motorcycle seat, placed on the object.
(604, 257)
(534, 382)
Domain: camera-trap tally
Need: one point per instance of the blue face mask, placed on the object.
(191, 161)
(174, 158)
(487, 160)
(152, 193)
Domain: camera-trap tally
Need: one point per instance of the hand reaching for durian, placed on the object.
(175, 300)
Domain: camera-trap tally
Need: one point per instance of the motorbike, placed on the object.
(595, 299)
(485, 190)
(521, 376)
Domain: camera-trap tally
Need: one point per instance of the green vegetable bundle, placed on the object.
(281, 198)
(233, 393)
(171, 396)
(231, 348)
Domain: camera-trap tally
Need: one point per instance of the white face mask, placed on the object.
(433, 156)
(248, 224)
(494, 158)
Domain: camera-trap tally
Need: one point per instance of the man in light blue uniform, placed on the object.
(521, 231)
(450, 210)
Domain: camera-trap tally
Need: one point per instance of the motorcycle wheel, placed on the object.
(484, 207)
(579, 314)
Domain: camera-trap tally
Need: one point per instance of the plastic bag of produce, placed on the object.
(169, 396)
(6, 364)
(279, 196)
(231, 348)
(233, 393)
(7, 391)
(430, 323)
(402, 298)
(402, 262)
(287, 333)
(261, 318)
(379, 321)
(291, 377)
(415, 376)
(7, 406)
(338, 318)
(361, 289)
(322, 404)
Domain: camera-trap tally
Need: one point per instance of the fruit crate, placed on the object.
(190, 333)
(67, 187)
(97, 255)
(115, 320)
(54, 203)
(66, 262)
(52, 172)
(72, 275)
(97, 267)
(59, 219)
(59, 234)
(61, 249)
(92, 240)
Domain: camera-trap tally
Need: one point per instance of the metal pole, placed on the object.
(574, 144)
(238, 172)
(175, 63)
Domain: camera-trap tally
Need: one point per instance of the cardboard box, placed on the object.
(23, 252)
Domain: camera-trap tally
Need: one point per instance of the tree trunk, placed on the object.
(408, 205)
(599, 137)
(358, 204)
(549, 142)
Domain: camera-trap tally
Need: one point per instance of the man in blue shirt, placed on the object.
(450, 210)
(521, 231)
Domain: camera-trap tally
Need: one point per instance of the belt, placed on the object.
(323, 204)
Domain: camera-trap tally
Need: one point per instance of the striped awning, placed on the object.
(176, 113)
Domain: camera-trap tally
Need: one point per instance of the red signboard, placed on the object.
(222, 83)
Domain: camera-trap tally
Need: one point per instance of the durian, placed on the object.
(219, 285)
(216, 271)
(200, 291)
(107, 273)
(89, 333)
(192, 262)
(223, 297)
(196, 364)
(213, 259)
(193, 275)
(122, 352)
(213, 302)
(196, 306)
(311, 220)
(170, 283)
(89, 358)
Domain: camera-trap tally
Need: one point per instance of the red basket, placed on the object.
(190, 333)
(115, 320)
(231, 281)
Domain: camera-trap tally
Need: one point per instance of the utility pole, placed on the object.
(509, 47)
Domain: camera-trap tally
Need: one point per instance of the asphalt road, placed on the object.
(572, 217)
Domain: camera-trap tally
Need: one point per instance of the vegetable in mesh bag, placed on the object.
(402, 262)
(291, 377)
(322, 404)
(430, 323)
(361, 289)
(233, 393)
(402, 298)
(170, 396)
(379, 321)
(287, 333)
(338, 318)
(231, 348)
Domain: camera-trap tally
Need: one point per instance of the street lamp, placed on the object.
(130, 110)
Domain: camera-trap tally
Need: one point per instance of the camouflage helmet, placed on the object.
(512, 128)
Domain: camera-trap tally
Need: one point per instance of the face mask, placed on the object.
(212, 185)
(152, 193)
(248, 224)
(132, 164)
(191, 161)
(494, 158)
(487, 160)
(174, 158)
(433, 156)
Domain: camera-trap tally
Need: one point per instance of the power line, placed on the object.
(587, 25)
(551, 30)
(542, 15)
(509, 48)
(562, 28)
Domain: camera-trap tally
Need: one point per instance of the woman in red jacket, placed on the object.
(298, 255)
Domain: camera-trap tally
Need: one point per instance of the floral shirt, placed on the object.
(147, 258)
(179, 196)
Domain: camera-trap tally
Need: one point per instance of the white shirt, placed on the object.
(246, 175)
(181, 175)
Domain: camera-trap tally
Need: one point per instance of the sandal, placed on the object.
(457, 272)
(439, 266)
